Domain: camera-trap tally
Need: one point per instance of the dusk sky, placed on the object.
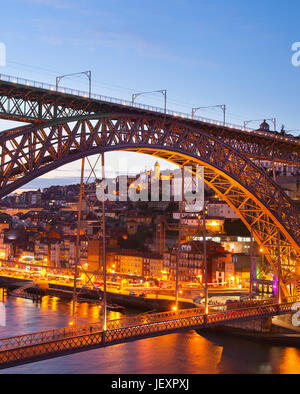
(204, 52)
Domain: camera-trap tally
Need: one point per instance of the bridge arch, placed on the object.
(31, 151)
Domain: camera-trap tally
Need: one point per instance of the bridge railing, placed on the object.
(73, 331)
(258, 311)
(48, 336)
(155, 318)
(107, 99)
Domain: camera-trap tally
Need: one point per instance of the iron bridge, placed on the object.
(61, 342)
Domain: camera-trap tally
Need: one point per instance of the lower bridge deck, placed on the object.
(55, 343)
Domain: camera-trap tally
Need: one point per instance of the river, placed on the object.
(184, 353)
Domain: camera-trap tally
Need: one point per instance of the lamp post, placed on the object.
(252, 265)
(222, 106)
(88, 74)
(205, 257)
(276, 255)
(104, 248)
(163, 92)
(279, 267)
(179, 238)
(77, 259)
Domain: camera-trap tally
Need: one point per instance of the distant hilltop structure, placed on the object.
(158, 175)
(146, 179)
(264, 126)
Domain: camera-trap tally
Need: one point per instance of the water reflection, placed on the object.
(23, 316)
(249, 357)
(290, 362)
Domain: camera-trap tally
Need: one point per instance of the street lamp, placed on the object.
(163, 92)
(253, 264)
(104, 250)
(205, 257)
(222, 106)
(279, 266)
(88, 74)
(179, 236)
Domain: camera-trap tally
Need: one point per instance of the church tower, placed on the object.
(157, 170)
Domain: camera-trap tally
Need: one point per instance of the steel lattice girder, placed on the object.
(36, 105)
(27, 104)
(30, 152)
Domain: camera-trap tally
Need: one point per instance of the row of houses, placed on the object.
(223, 267)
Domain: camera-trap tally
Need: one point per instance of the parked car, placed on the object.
(132, 293)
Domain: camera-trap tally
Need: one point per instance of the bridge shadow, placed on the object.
(246, 355)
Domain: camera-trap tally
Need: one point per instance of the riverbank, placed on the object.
(145, 304)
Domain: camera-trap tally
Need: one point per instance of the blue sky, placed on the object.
(204, 52)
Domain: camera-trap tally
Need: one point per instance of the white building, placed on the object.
(220, 209)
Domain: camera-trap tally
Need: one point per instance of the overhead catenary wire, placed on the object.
(209, 112)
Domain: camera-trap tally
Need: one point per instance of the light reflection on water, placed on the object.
(182, 353)
(23, 316)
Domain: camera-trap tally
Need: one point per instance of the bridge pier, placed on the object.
(263, 325)
(297, 280)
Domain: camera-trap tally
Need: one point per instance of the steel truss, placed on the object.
(30, 152)
(38, 104)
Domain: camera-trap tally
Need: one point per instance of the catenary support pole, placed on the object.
(77, 259)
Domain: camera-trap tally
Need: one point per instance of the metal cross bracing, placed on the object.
(261, 204)
(92, 224)
(34, 102)
(55, 343)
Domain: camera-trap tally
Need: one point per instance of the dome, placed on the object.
(264, 126)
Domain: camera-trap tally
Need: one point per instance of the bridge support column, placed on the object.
(263, 325)
(297, 289)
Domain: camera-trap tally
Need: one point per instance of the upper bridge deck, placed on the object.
(36, 102)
